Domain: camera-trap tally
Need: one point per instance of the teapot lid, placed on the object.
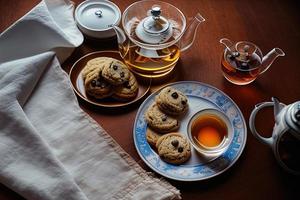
(245, 50)
(293, 118)
(155, 28)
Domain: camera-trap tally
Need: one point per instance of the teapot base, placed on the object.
(153, 75)
(237, 82)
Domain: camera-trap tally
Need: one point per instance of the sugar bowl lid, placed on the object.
(155, 28)
(97, 16)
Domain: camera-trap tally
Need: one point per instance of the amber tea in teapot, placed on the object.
(153, 36)
(240, 72)
(152, 66)
(243, 62)
(166, 59)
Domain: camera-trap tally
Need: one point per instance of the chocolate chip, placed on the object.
(115, 67)
(175, 143)
(164, 118)
(150, 118)
(169, 90)
(122, 74)
(102, 85)
(98, 83)
(93, 83)
(175, 95)
(183, 102)
(126, 85)
(180, 149)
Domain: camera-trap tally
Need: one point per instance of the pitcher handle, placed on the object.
(268, 141)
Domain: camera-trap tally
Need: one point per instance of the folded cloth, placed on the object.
(50, 148)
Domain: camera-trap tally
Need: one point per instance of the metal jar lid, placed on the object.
(96, 18)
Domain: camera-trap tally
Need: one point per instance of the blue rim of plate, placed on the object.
(201, 171)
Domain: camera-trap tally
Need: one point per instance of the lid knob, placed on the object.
(155, 11)
(155, 28)
(98, 13)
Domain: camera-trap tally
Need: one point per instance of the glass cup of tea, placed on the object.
(210, 132)
(243, 61)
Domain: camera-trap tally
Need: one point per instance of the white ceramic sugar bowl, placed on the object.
(95, 18)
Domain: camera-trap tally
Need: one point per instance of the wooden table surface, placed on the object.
(267, 23)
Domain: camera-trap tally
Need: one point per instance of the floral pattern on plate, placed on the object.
(200, 96)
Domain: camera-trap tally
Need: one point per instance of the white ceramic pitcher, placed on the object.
(285, 139)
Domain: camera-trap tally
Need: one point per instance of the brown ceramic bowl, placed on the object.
(78, 85)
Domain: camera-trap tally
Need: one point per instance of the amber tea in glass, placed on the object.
(210, 132)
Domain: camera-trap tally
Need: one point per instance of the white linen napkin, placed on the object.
(50, 148)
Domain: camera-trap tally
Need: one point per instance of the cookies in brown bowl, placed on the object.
(128, 90)
(108, 77)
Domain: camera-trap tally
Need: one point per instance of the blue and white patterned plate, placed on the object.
(200, 96)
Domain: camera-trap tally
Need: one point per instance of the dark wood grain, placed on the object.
(269, 24)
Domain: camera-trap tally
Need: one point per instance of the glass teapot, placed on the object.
(154, 35)
(285, 139)
(243, 61)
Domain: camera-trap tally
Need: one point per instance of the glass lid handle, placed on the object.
(155, 12)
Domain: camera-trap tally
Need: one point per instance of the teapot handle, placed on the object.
(268, 141)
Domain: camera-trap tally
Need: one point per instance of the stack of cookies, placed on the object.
(107, 77)
(162, 118)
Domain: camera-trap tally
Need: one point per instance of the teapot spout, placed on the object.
(189, 35)
(122, 41)
(270, 57)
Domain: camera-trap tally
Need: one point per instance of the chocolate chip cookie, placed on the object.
(96, 86)
(128, 90)
(94, 83)
(159, 121)
(152, 136)
(115, 72)
(173, 148)
(172, 101)
(94, 64)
